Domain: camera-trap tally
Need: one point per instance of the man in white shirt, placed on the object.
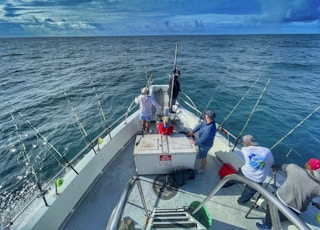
(146, 101)
(257, 166)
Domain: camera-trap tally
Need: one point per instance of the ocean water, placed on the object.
(39, 74)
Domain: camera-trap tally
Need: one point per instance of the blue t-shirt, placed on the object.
(206, 133)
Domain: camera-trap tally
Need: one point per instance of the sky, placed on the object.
(24, 18)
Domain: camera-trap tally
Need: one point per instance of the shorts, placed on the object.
(203, 151)
(145, 118)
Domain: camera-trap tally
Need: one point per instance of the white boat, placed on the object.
(123, 180)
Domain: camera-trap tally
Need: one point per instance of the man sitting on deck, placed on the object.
(297, 192)
(257, 166)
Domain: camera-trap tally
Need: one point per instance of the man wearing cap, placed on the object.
(297, 192)
(207, 132)
(146, 102)
(257, 166)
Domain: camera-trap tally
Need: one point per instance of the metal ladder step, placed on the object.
(177, 218)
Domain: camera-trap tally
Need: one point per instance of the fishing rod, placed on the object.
(28, 160)
(227, 117)
(105, 124)
(83, 131)
(300, 123)
(253, 109)
(39, 135)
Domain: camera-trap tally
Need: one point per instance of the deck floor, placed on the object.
(94, 210)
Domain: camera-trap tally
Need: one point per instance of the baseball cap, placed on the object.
(250, 139)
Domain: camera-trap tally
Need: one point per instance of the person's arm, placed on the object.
(196, 129)
(204, 137)
(156, 104)
(284, 167)
(136, 99)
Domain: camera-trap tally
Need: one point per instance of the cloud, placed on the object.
(10, 10)
(127, 17)
(291, 11)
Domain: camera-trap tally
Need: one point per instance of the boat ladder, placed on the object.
(176, 218)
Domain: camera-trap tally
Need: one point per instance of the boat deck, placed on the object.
(95, 209)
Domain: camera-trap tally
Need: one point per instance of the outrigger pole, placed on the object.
(172, 82)
(227, 117)
(300, 123)
(28, 161)
(83, 131)
(38, 134)
(253, 109)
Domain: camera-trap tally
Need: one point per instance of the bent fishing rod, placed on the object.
(252, 111)
(83, 131)
(300, 123)
(28, 160)
(227, 117)
(39, 135)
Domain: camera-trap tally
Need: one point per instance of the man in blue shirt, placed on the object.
(207, 132)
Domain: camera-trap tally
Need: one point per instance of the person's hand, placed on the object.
(192, 141)
(276, 167)
(159, 117)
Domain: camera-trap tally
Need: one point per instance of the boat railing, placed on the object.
(85, 150)
(118, 212)
(131, 107)
(273, 203)
(190, 103)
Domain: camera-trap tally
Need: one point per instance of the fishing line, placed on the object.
(83, 131)
(300, 123)
(227, 117)
(27, 160)
(252, 111)
(39, 135)
(208, 104)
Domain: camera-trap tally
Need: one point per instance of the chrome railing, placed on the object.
(274, 204)
(118, 212)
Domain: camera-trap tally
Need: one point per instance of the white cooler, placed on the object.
(160, 154)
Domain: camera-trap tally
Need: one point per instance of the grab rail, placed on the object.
(274, 203)
(117, 213)
(272, 200)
